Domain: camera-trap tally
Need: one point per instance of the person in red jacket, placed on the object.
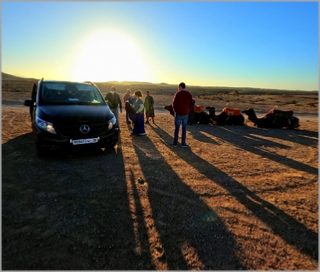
(182, 104)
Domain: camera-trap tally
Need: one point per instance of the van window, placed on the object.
(70, 93)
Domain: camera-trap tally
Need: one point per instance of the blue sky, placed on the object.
(235, 44)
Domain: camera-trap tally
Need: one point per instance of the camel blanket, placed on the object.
(198, 108)
(281, 114)
(232, 111)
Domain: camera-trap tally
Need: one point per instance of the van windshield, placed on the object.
(70, 93)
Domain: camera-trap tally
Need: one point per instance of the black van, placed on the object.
(65, 113)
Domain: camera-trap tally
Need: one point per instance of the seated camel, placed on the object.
(194, 117)
(228, 116)
(273, 119)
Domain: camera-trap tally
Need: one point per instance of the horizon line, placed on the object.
(164, 83)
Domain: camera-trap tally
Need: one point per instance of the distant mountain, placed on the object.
(128, 82)
(5, 76)
(140, 84)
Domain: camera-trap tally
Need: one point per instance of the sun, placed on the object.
(108, 55)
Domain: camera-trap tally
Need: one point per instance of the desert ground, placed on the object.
(239, 198)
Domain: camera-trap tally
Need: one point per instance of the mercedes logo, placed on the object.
(84, 129)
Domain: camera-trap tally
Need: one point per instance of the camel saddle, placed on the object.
(232, 111)
(198, 108)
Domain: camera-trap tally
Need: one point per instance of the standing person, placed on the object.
(182, 104)
(125, 99)
(113, 100)
(148, 105)
(139, 116)
(131, 100)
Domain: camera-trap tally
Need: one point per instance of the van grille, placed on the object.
(73, 130)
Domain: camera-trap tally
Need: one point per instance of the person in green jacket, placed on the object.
(148, 105)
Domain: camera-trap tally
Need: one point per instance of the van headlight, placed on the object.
(46, 126)
(112, 122)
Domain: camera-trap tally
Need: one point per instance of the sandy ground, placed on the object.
(239, 198)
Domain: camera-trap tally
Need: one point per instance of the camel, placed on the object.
(194, 117)
(228, 116)
(273, 119)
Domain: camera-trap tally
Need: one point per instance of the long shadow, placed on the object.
(289, 229)
(300, 136)
(141, 239)
(239, 136)
(186, 225)
(198, 134)
(67, 211)
(303, 137)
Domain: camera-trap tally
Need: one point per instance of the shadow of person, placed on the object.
(288, 228)
(185, 223)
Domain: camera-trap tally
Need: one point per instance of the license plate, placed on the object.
(85, 141)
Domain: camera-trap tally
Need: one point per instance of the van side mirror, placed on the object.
(28, 103)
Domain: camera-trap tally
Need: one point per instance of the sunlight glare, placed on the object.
(108, 55)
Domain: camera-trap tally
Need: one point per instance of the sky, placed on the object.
(233, 44)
